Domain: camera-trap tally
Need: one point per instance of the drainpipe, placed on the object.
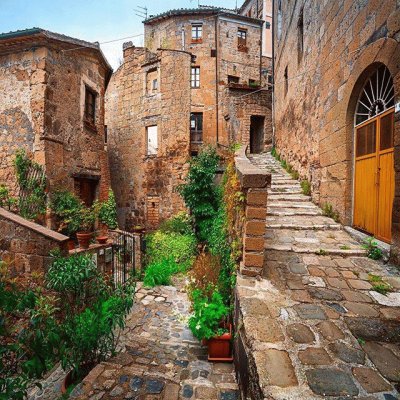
(216, 75)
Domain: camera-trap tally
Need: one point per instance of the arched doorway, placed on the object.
(374, 156)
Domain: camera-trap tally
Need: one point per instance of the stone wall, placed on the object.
(317, 86)
(26, 246)
(145, 184)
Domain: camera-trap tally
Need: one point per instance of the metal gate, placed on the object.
(123, 256)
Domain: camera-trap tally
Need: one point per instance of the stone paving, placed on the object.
(314, 325)
(159, 358)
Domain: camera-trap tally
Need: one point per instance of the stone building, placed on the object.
(196, 81)
(52, 105)
(337, 85)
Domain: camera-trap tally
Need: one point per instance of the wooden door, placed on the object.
(374, 176)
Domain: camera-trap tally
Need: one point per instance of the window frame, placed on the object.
(154, 152)
(197, 27)
(195, 132)
(242, 39)
(195, 77)
(90, 108)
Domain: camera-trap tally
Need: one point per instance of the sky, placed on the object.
(92, 20)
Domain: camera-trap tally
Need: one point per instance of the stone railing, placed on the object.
(254, 184)
(26, 245)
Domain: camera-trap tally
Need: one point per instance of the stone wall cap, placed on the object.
(33, 226)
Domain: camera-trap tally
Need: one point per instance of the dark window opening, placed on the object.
(242, 39)
(86, 188)
(197, 32)
(90, 105)
(195, 77)
(105, 134)
(286, 80)
(268, 25)
(196, 127)
(256, 134)
(300, 33)
(233, 79)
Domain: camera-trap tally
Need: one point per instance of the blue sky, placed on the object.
(92, 20)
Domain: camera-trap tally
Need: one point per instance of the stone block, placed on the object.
(255, 228)
(256, 212)
(253, 243)
(253, 260)
(256, 197)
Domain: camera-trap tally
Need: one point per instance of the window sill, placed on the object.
(89, 125)
(197, 41)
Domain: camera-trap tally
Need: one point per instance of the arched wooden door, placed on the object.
(374, 176)
(374, 157)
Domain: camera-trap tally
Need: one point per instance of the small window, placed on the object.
(197, 33)
(155, 84)
(196, 127)
(90, 106)
(253, 82)
(152, 140)
(242, 39)
(279, 24)
(267, 25)
(105, 134)
(195, 77)
(286, 80)
(86, 189)
(233, 79)
(300, 34)
(152, 81)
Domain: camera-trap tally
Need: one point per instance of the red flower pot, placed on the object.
(71, 244)
(102, 239)
(84, 239)
(220, 347)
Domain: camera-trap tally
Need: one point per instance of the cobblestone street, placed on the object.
(315, 324)
(159, 358)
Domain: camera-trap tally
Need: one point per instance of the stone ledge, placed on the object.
(33, 226)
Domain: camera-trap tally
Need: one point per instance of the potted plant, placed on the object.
(107, 213)
(138, 229)
(208, 323)
(87, 220)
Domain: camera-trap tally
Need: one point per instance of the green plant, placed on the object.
(180, 248)
(160, 272)
(32, 184)
(87, 218)
(181, 223)
(361, 341)
(199, 191)
(305, 187)
(321, 252)
(6, 200)
(274, 153)
(379, 285)
(295, 175)
(329, 212)
(345, 247)
(373, 251)
(107, 211)
(208, 313)
(67, 209)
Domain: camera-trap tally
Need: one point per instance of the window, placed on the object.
(242, 39)
(300, 34)
(90, 106)
(155, 84)
(152, 81)
(196, 127)
(279, 24)
(152, 140)
(197, 33)
(233, 79)
(85, 189)
(267, 25)
(286, 80)
(253, 82)
(105, 134)
(195, 77)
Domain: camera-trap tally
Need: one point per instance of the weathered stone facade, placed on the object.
(324, 53)
(43, 82)
(144, 181)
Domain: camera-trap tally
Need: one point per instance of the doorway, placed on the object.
(374, 178)
(256, 134)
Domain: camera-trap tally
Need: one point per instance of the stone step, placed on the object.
(293, 190)
(292, 204)
(280, 211)
(288, 197)
(302, 223)
(323, 252)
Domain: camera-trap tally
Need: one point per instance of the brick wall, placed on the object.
(315, 105)
(26, 245)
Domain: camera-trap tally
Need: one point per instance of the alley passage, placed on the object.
(160, 358)
(314, 323)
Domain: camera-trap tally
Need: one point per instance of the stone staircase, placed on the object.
(313, 326)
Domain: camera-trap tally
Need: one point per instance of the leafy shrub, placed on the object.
(160, 272)
(329, 212)
(180, 248)
(200, 192)
(180, 223)
(208, 312)
(373, 251)
(66, 207)
(107, 211)
(6, 200)
(295, 175)
(305, 187)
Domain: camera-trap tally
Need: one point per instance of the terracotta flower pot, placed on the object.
(84, 239)
(71, 244)
(102, 239)
(68, 381)
(220, 347)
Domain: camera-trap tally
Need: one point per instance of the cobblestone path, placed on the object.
(159, 358)
(315, 326)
